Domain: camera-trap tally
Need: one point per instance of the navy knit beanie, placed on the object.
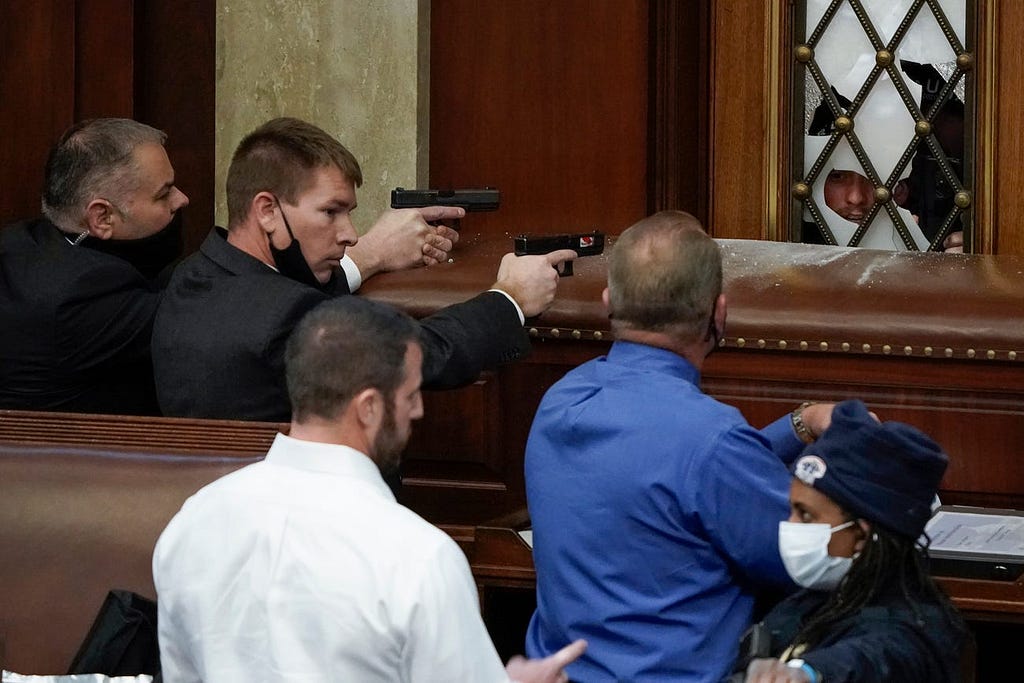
(886, 473)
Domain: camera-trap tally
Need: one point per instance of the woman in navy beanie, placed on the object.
(869, 609)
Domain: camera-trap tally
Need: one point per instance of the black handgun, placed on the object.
(483, 199)
(583, 243)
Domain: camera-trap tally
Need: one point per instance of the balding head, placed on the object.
(664, 276)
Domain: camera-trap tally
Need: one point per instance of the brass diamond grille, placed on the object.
(883, 85)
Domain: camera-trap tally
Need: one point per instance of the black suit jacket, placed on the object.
(75, 325)
(220, 334)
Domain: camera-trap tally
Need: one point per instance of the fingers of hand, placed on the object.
(435, 249)
(434, 254)
(440, 213)
(439, 242)
(556, 258)
(447, 233)
(773, 671)
(570, 653)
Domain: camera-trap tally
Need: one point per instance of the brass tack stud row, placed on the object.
(783, 345)
(557, 332)
(886, 349)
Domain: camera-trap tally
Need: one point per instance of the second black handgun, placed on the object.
(583, 243)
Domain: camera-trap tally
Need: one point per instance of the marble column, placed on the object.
(356, 68)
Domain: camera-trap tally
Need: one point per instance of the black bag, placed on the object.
(122, 640)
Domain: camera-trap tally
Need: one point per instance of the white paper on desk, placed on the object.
(527, 536)
(970, 532)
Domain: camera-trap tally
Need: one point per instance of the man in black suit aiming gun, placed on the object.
(220, 331)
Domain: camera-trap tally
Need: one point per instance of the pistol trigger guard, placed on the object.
(565, 270)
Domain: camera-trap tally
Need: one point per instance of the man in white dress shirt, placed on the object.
(303, 567)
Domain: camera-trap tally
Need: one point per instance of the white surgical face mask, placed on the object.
(804, 550)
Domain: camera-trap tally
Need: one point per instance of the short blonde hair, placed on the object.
(280, 157)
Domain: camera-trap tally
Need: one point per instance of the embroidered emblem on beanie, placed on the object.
(808, 468)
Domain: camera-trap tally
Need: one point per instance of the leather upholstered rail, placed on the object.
(936, 340)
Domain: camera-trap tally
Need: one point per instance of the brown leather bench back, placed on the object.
(83, 500)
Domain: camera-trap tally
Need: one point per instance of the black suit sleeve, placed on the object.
(108, 318)
(464, 339)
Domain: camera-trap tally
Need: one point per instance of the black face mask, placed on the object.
(289, 261)
(150, 255)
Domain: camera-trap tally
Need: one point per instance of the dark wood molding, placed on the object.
(129, 433)
(678, 117)
(104, 64)
(37, 47)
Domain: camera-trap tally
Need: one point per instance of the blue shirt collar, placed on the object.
(653, 359)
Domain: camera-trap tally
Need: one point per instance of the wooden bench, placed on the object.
(83, 499)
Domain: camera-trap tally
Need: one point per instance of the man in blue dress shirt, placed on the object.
(656, 508)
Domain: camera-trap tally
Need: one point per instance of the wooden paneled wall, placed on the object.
(547, 101)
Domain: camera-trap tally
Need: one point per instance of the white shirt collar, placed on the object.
(332, 459)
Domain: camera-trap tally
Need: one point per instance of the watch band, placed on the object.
(811, 672)
(803, 432)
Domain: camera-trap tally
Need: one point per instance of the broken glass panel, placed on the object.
(885, 84)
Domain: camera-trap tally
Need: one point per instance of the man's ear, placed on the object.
(264, 208)
(369, 406)
(606, 300)
(100, 218)
(721, 313)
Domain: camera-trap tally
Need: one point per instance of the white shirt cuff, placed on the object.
(352, 274)
(519, 311)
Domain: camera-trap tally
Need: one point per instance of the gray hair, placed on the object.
(93, 159)
(664, 275)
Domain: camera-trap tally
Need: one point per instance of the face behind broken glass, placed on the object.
(875, 179)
